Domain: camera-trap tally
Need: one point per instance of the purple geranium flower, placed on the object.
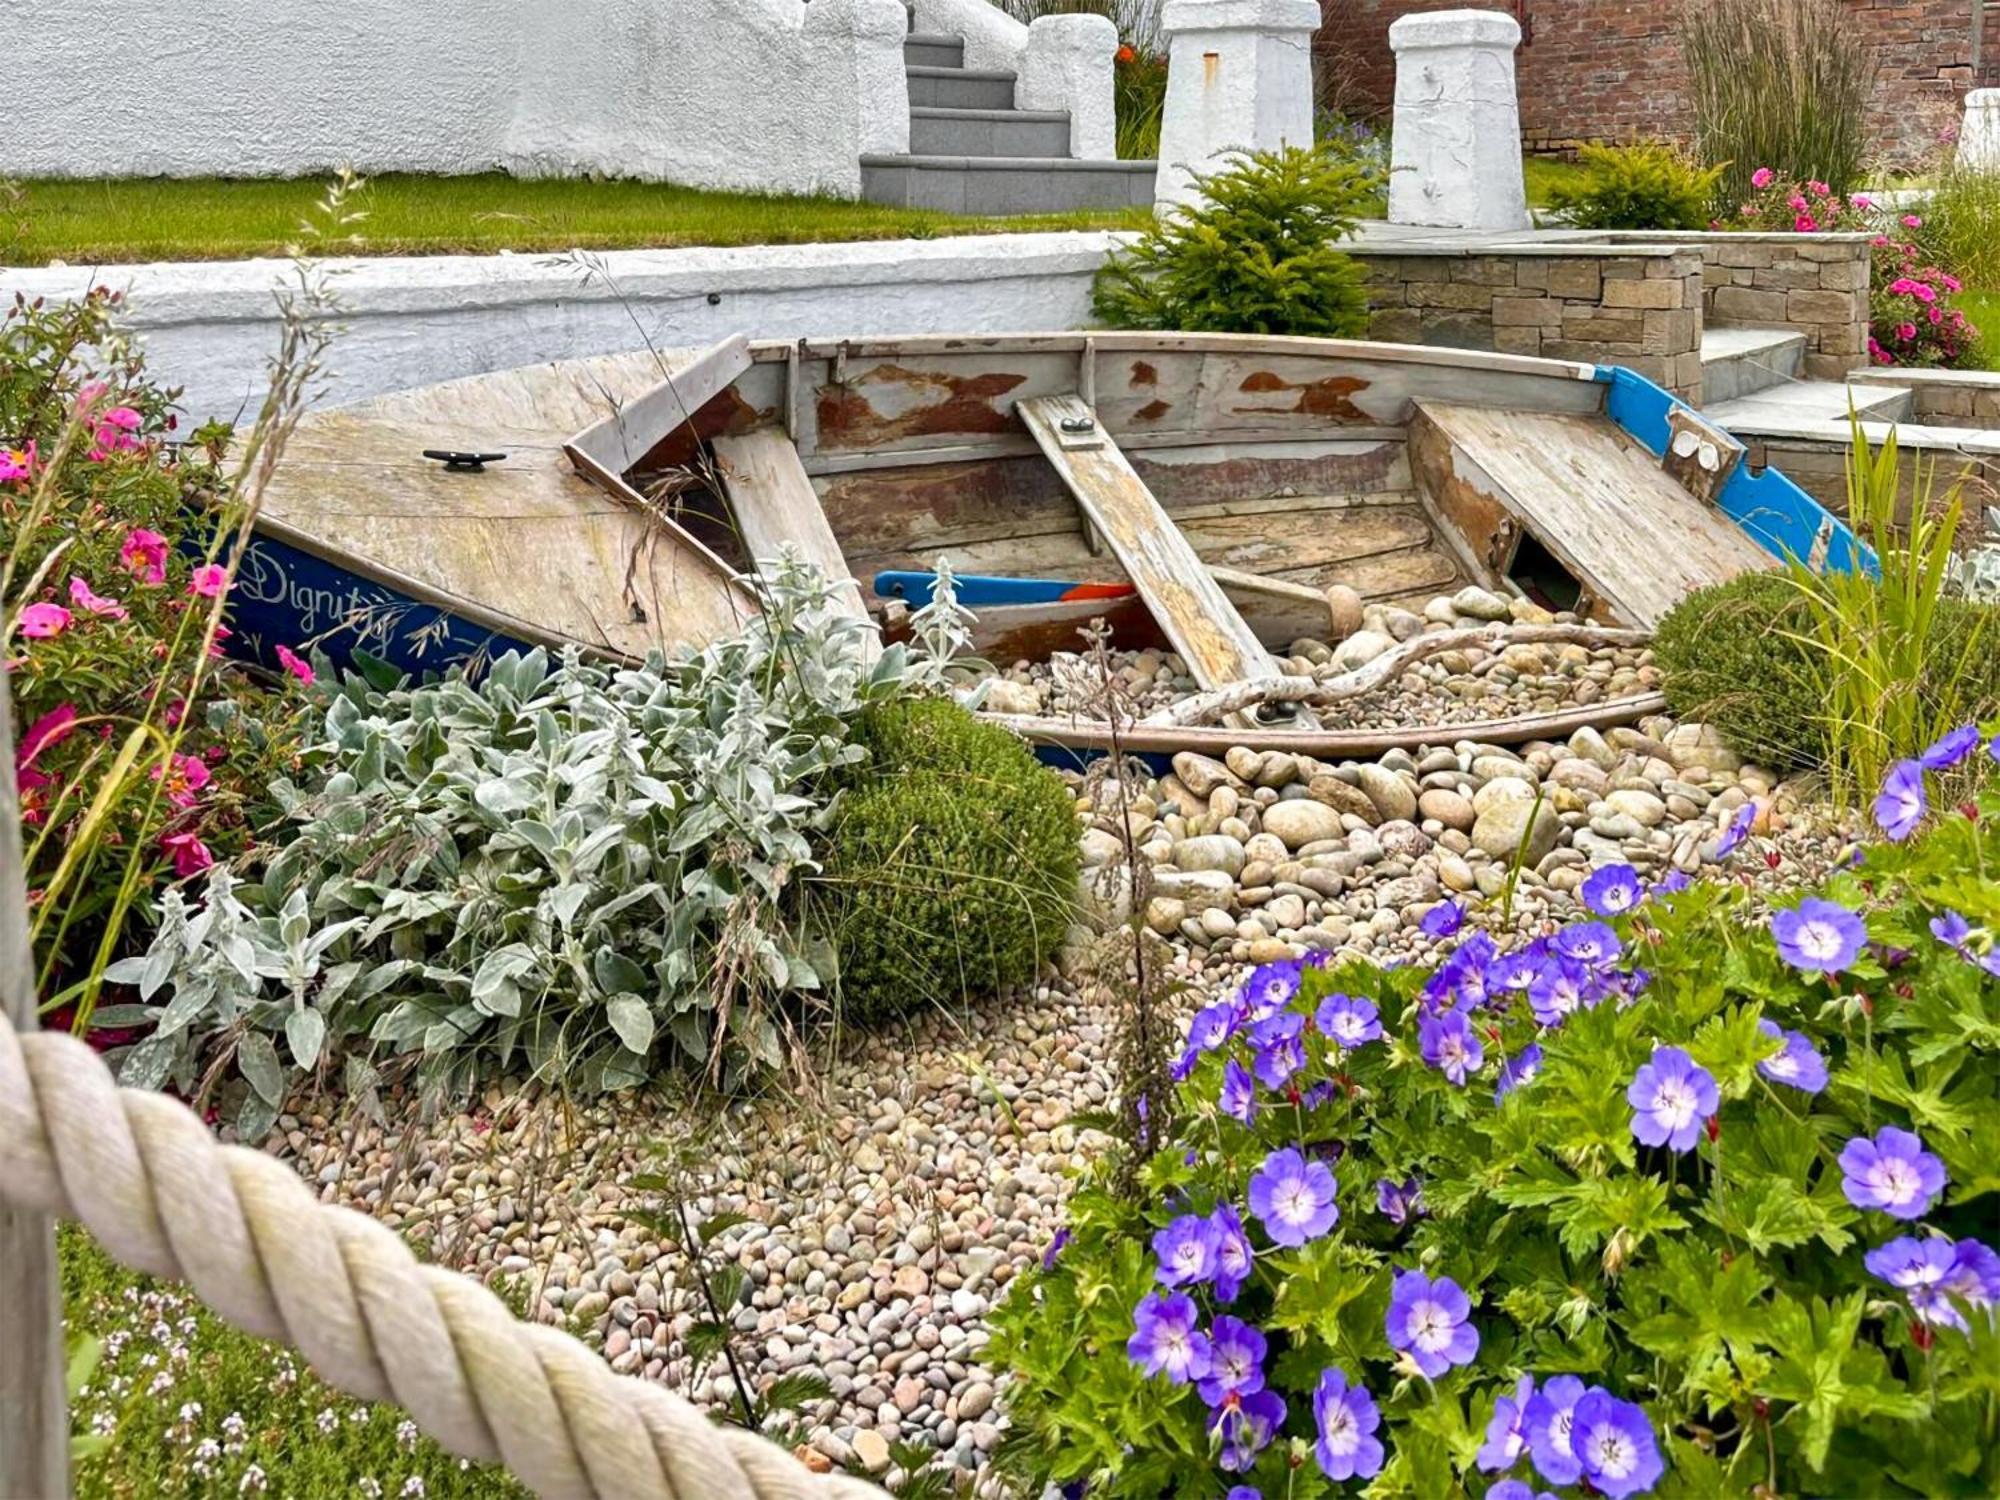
(1901, 805)
(1182, 1067)
(1818, 937)
(1281, 1050)
(1505, 1438)
(1562, 988)
(1517, 1489)
(1247, 1426)
(1233, 1255)
(1952, 930)
(1614, 1443)
(1797, 1064)
(1443, 920)
(1271, 987)
(1591, 944)
(1235, 1361)
(1548, 1420)
(1165, 1340)
(1347, 1418)
(1892, 1173)
(1975, 1273)
(1238, 1098)
(1055, 1248)
(1212, 1026)
(1612, 890)
(1671, 1096)
(1400, 1201)
(1672, 883)
(1951, 749)
(1920, 1269)
(1517, 970)
(1517, 1070)
(1347, 1021)
(1449, 1044)
(1293, 1198)
(1244, 1492)
(1737, 831)
(1428, 1320)
(1185, 1250)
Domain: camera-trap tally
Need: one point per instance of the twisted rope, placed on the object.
(163, 1196)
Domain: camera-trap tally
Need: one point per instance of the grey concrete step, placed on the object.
(960, 88)
(1806, 400)
(1739, 362)
(989, 132)
(1006, 184)
(930, 49)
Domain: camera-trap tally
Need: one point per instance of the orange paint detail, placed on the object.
(890, 402)
(1152, 411)
(1144, 374)
(1328, 397)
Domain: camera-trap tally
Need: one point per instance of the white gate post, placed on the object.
(1239, 78)
(1455, 150)
(1979, 135)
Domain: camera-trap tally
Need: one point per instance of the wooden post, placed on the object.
(34, 1421)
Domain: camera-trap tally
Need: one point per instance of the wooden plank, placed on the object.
(1590, 493)
(617, 442)
(774, 505)
(1214, 640)
(34, 1426)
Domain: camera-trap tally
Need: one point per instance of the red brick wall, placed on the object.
(1610, 70)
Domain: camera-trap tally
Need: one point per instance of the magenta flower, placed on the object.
(208, 580)
(1293, 1198)
(1348, 1022)
(1762, 178)
(295, 664)
(1430, 1321)
(84, 598)
(1185, 1250)
(52, 728)
(1672, 1097)
(1347, 1417)
(17, 463)
(1165, 1340)
(1612, 890)
(144, 554)
(1614, 1445)
(1818, 937)
(1235, 1361)
(1911, 221)
(1449, 1044)
(1892, 1173)
(189, 853)
(1919, 1269)
(1901, 805)
(1797, 1064)
(41, 621)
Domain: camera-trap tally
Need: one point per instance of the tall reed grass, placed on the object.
(1961, 225)
(1781, 84)
(1904, 661)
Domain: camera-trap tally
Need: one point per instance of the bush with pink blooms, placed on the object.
(1911, 317)
(139, 754)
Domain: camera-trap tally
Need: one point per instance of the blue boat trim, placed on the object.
(979, 591)
(1772, 510)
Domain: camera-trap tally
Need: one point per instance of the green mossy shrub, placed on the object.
(951, 864)
(1259, 254)
(1739, 656)
(1648, 186)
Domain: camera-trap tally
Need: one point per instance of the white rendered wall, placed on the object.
(1239, 78)
(1979, 136)
(1060, 62)
(412, 321)
(776, 94)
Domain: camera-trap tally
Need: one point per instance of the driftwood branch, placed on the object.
(1235, 696)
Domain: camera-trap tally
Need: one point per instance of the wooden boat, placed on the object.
(1221, 483)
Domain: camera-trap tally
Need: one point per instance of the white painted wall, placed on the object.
(778, 94)
(212, 327)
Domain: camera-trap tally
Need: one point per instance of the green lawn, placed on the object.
(1982, 311)
(91, 222)
(1544, 172)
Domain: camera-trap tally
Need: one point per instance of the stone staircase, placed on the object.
(1750, 380)
(973, 152)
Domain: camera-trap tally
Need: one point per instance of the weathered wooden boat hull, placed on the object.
(637, 490)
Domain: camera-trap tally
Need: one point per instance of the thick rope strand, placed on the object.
(163, 1196)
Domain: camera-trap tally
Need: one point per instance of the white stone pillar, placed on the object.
(1455, 151)
(1979, 136)
(1239, 79)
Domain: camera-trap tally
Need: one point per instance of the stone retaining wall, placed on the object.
(1946, 398)
(1637, 306)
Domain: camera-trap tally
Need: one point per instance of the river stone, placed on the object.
(1402, 624)
(1099, 847)
(1448, 807)
(1588, 744)
(1477, 603)
(1197, 888)
(1243, 762)
(1302, 821)
(1393, 797)
(1217, 923)
(1005, 696)
(1201, 775)
(1164, 914)
(1643, 808)
(1342, 797)
(1580, 775)
(1404, 840)
(1344, 612)
(1361, 648)
(1505, 821)
(1286, 911)
(1210, 851)
(1502, 789)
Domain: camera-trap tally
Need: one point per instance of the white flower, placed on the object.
(253, 1483)
(406, 1435)
(412, 1486)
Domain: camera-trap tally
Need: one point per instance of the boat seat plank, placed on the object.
(1590, 493)
(775, 506)
(1215, 641)
(616, 442)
